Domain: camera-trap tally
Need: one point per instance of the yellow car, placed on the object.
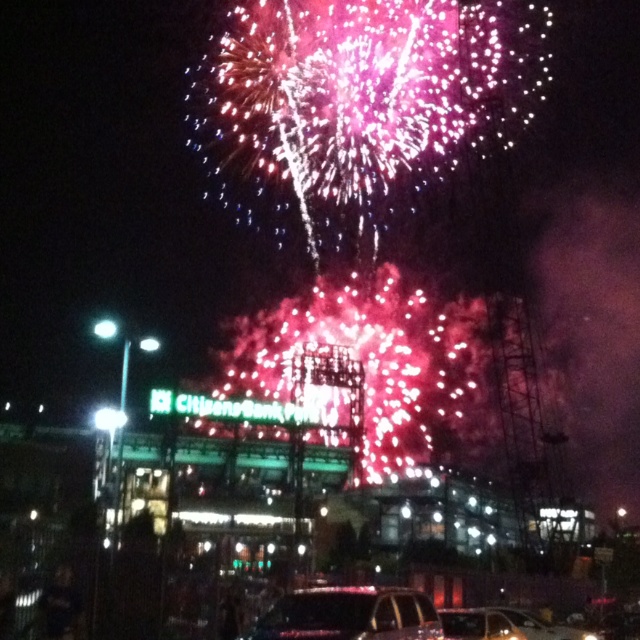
(477, 624)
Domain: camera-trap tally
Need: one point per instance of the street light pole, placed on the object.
(109, 420)
(125, 374)
(108, 329)
(123, 404)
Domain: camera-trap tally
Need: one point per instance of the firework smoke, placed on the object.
(589, 274)
(424, 369)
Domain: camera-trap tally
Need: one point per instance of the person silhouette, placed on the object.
(61, 609)
(7, 608)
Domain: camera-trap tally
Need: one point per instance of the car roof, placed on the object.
(529, 613)
(464, 610)
(526, 612)
(370, 590)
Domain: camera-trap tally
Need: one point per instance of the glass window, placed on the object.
(343, 611)
(426, 607)
(385, 617)
(408, 611)
(462, 625)
(497, 625)
(389, 528)
(521, 619)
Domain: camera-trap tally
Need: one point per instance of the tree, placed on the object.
(139, 532)
(365, 542)
(346, 548)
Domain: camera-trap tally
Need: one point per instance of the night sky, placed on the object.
(102, 213)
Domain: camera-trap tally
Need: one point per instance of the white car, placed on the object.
(535, 628)
(349, 613)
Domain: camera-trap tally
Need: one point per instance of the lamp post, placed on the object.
(621, 514)
(110, 420)
(107, 329)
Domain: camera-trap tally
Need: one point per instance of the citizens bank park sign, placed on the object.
(167, 402)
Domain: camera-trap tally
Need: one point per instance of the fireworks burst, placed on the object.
(342, 97)
(422, 368)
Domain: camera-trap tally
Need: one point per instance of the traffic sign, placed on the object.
(603, 555)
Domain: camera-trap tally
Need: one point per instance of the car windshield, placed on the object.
(339, 611)
(520, 619)
(463, 624)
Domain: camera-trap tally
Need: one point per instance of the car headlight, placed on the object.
(590, 636)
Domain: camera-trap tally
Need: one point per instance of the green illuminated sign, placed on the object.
(166, 402)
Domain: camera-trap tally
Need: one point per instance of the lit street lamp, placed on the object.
(621, 514)
(107, 329)
(110, 420)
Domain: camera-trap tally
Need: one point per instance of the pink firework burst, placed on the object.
(342, 96)
(423, 367)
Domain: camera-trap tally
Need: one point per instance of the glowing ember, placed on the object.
(422, 367)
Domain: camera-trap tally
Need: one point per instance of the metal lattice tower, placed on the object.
(521, 413)
(533, 450)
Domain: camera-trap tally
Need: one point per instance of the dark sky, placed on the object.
(102, 210)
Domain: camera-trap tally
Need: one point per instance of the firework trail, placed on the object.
(344, 97)
(423, 368)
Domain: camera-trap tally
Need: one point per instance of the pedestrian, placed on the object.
(268, 596)
(60, 608)
(7, 608)
(232, 614)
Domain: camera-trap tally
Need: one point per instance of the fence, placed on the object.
(149, 592)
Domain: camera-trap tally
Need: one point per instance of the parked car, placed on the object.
(346, 613)
(477, 624)
(533, 627)
(620, 625)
